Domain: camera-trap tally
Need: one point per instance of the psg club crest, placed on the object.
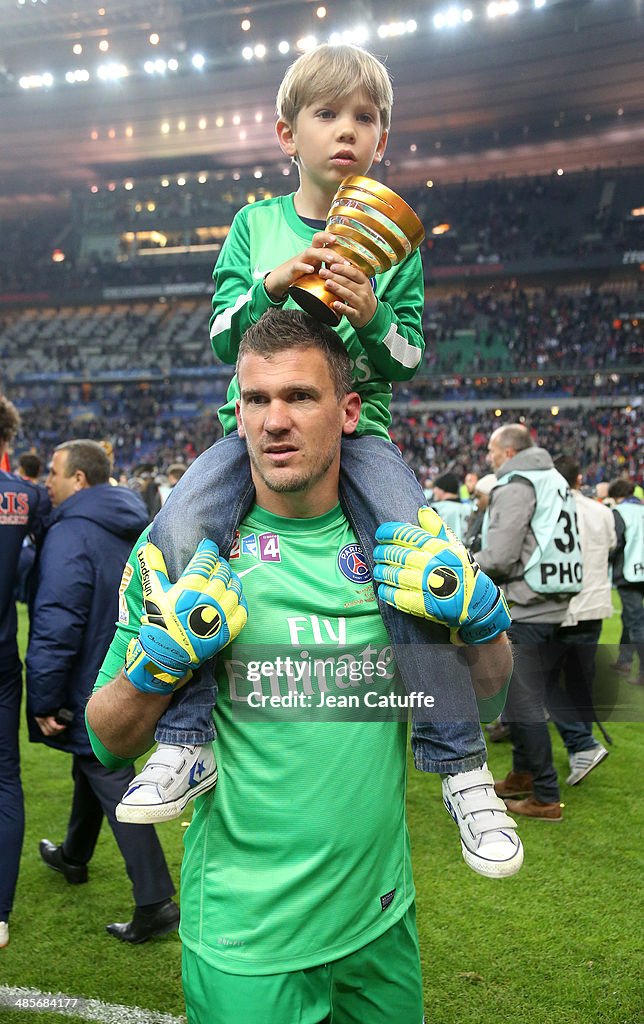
(352, 564)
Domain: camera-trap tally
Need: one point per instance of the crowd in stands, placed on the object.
(536, 331)
(540, 330)
(492, 222)
(607, 442)
(149, 429)
(503, 220)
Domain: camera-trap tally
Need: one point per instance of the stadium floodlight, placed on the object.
(397, 28)
(173, 64)
(198, 61)
(148, 67)
(452, 16)
(260, 51)
(160, 66)
(502, 8)
(44, 81)
(247, 53)
(111, 72)
(306, 43)
(283, 46)
(79, 75)
(539, 3)
(356, 36)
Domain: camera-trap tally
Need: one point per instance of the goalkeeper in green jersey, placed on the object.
(334, 108)
(297, 897)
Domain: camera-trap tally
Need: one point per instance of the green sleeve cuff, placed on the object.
(491, 707)
(105, 756)
(260, 301)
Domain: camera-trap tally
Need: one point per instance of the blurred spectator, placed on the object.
(23, 510)
(446, 501)
(30, 467)
(628, 574)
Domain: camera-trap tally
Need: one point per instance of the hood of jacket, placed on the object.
(116, 509)
(530, 458)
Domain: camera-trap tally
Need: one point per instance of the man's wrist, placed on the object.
(147, 676)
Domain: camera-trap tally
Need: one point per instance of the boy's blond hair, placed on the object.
(330, 73)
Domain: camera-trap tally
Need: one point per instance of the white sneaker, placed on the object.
(171, 778)
(583, 762)
(489, 839)
(4, 934)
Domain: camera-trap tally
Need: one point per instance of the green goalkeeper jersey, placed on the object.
(390, 347)
(301, 853)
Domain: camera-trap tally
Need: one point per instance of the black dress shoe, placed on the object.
(146, 924)
(53, 857)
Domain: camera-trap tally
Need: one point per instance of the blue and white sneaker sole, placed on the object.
(149, 814)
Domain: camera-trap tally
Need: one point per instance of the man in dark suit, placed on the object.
(77, 601)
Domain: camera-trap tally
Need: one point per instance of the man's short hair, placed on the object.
(514, 435)
(9, 420)
(621, 489)
(89, 457)
(279, 330)
(569, 468)
(30, 465)
(330, 73)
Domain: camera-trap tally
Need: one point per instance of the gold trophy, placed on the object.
(374, 228)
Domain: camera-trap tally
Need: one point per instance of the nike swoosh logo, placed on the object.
(259, 275)
(245, 572)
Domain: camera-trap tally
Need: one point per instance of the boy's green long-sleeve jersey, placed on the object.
(390, 347)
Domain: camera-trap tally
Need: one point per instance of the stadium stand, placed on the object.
(109, 344)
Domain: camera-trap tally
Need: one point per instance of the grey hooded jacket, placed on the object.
(510, 541)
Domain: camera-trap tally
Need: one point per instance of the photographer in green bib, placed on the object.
(628, 575)
(530, 547)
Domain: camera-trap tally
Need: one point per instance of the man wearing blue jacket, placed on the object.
(77, 601)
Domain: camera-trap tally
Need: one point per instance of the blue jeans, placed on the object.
(12, 808)
(376, 485)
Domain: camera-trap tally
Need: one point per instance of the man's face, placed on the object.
(293, 422)
(497, 454)
(59, 486)
(470, 482)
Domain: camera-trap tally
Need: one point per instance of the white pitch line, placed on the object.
(87, 1009)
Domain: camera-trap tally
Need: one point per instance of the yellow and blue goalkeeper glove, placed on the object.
(427, 572)
(185, 623)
